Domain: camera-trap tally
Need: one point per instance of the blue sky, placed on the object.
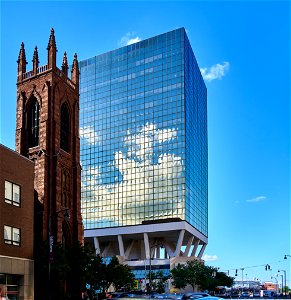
(243, 48)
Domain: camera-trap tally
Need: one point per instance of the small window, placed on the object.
(12, 193)
(11, 235)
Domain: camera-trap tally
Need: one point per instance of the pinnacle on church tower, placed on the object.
(75, 70)
(35, 61)
(52, 40)
(65, 65)
(21, 62)
(52, 50)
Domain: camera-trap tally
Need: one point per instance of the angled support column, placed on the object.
(196, 244)
(120, 244)
(106, 250)
(189, 244)
(179, 243)
(146, 245)
(169, 250)
(158, 252)
(96, 245)
(128, 249)
(201, 251)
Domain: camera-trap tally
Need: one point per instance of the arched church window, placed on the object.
(33, 123)
(65, 128)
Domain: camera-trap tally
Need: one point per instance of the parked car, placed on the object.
(176, 296)
(256, 294)
(117, 295)
(269, 294)
(194, 295)
(212, 298)
(245, 295)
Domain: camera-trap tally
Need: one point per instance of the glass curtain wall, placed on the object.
(133, 128)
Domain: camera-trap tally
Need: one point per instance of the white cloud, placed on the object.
(146, 182)
(215, 72)
(167, 134)
(257, 199)
(128, 39)
(141, 144)
(90, 135)
(207, 257)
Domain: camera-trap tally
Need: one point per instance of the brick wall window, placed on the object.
(12, 193)
(11, 235)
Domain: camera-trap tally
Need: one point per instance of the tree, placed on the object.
(158, 280)
(196, 274)
(101, 275)
(179, 276)
(223, 280)
(59, 269)
(119, 275)
(96, 270)
(81, 261)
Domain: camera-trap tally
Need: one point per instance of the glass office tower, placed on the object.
(143, 130)
(144, 134)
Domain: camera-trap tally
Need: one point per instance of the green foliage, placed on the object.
(158, 280)
(102, 275)
(179, 276)
(72, 268)
(196, 274)
(119, 275)
(79, 260)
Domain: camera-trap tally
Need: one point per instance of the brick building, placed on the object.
(16, 225)
(47, 132)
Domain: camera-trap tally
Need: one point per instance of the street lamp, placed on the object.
(242, 278)
(285, 279)
(276, 283)
(285, 256)
(282, 280)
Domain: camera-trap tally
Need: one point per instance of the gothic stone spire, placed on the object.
(75, 70)
(35, 61)
(52, 50)
(65, 65)
(21, 62)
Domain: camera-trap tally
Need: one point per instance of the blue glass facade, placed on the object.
(143, 129)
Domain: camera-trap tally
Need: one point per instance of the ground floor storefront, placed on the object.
(16, 278)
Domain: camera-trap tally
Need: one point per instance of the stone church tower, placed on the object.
(47, 132)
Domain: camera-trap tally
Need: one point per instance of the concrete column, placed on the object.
(189, 244)
(128, 250)
(106, 250)
(196, 244)
(96, 245)
(158, 252)
(146, 245)
(201, 251)
(179, 243)
(169, 250)
(121, 247)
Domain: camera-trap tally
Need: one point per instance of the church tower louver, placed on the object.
(47, 132)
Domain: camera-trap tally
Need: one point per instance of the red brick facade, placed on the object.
(57, 172)
(17, 170)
